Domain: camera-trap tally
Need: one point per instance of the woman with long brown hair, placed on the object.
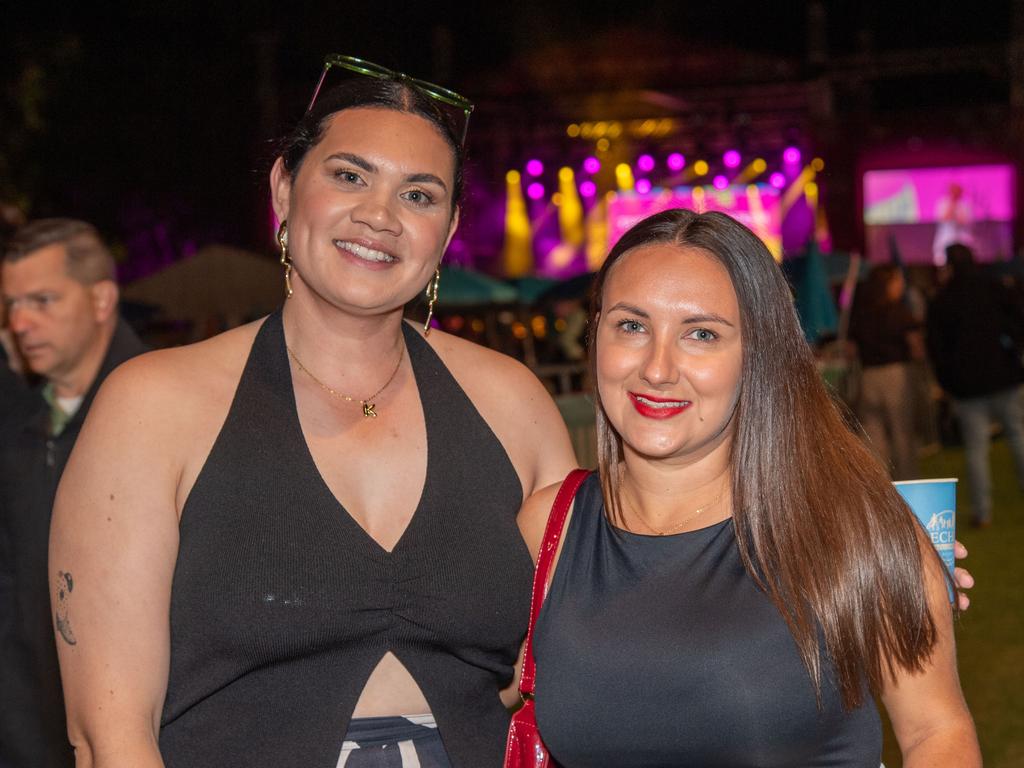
(740, 578)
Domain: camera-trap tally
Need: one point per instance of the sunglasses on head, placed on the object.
(455, 105)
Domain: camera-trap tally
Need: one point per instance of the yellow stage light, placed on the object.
(818, 164)
(517, 253)
(624, 176)
(700, 168)
(602, 145)
(573, 130)
(759, 165)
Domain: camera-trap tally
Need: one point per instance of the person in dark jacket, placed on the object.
(975, 339)
(61, 299)
(888, 339)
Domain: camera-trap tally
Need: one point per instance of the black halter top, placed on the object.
(282, 605)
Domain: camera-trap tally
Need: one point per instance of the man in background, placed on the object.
(60, 295)
(975, 340)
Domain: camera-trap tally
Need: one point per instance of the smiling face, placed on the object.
(370, 210)
(669, 352)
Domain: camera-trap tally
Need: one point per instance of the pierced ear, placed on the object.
(280, 189)
(104, 299)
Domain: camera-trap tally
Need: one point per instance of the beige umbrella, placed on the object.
(216, 280)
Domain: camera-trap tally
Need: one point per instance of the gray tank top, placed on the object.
(662, 652)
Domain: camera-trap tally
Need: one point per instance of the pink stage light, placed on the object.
(731, 159)
(534, 167)
(588, 188)
(675, 161)
(720, 182)
(535, 191)
(643, 186)
(777, 180)
(645, 163)
(791, 155)
(591, 165)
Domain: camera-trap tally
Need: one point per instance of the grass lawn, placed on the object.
(990, 636)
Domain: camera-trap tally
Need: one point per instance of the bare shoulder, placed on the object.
(478, 367)
(169, 406)
(533, 517)
(192, 373)
(515, 405)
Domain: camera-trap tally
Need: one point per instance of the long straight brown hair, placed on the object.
(819, 525)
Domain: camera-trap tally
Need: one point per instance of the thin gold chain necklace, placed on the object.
(369, 407)
(692, 516)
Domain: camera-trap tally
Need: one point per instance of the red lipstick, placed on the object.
(651, 408)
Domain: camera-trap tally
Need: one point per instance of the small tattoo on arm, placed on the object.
(65, 585)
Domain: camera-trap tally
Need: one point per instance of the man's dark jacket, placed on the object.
(33, 732)
(976, 335)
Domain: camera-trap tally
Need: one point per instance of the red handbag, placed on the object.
(524, 748)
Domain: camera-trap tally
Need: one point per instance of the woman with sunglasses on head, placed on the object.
(740, 578)
(284, 539)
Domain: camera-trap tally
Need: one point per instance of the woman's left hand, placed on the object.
(962, 577)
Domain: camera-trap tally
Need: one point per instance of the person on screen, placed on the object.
(954, 220)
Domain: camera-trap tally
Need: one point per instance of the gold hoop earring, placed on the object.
(431, 299)
(282, 241)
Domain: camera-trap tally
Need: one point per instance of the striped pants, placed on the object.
(393, 742)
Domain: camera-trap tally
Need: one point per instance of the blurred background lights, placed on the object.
(777, 180)
(624, 176)
(588, 188)
(759, 165)
(720, 182)
(818, 164)
(675, 161)
(534, 167)
(645, 163)
(602, 145)
(591, 165)
(731, 159)
(700, 168)
(791, 155)
(643, 186)
(535, 191)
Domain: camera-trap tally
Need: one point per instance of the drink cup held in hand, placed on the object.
(934, 504)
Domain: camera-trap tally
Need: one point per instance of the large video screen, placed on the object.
(756, 206)
(920, 211)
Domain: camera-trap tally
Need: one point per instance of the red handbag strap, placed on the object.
(548, 548)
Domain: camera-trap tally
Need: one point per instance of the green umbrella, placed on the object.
(464, 288)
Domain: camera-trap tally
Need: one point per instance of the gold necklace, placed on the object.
(692, 516)
(367, 402)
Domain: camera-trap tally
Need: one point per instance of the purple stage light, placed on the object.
(731, 159)
(535, 191)
(645, 163)
(588, 188)
(534, 167)
(791, 155)
(591, 165)
(720, 182)
(675, 161)
(643, 186)
(777, 180)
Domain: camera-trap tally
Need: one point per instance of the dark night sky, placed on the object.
(153, 111)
